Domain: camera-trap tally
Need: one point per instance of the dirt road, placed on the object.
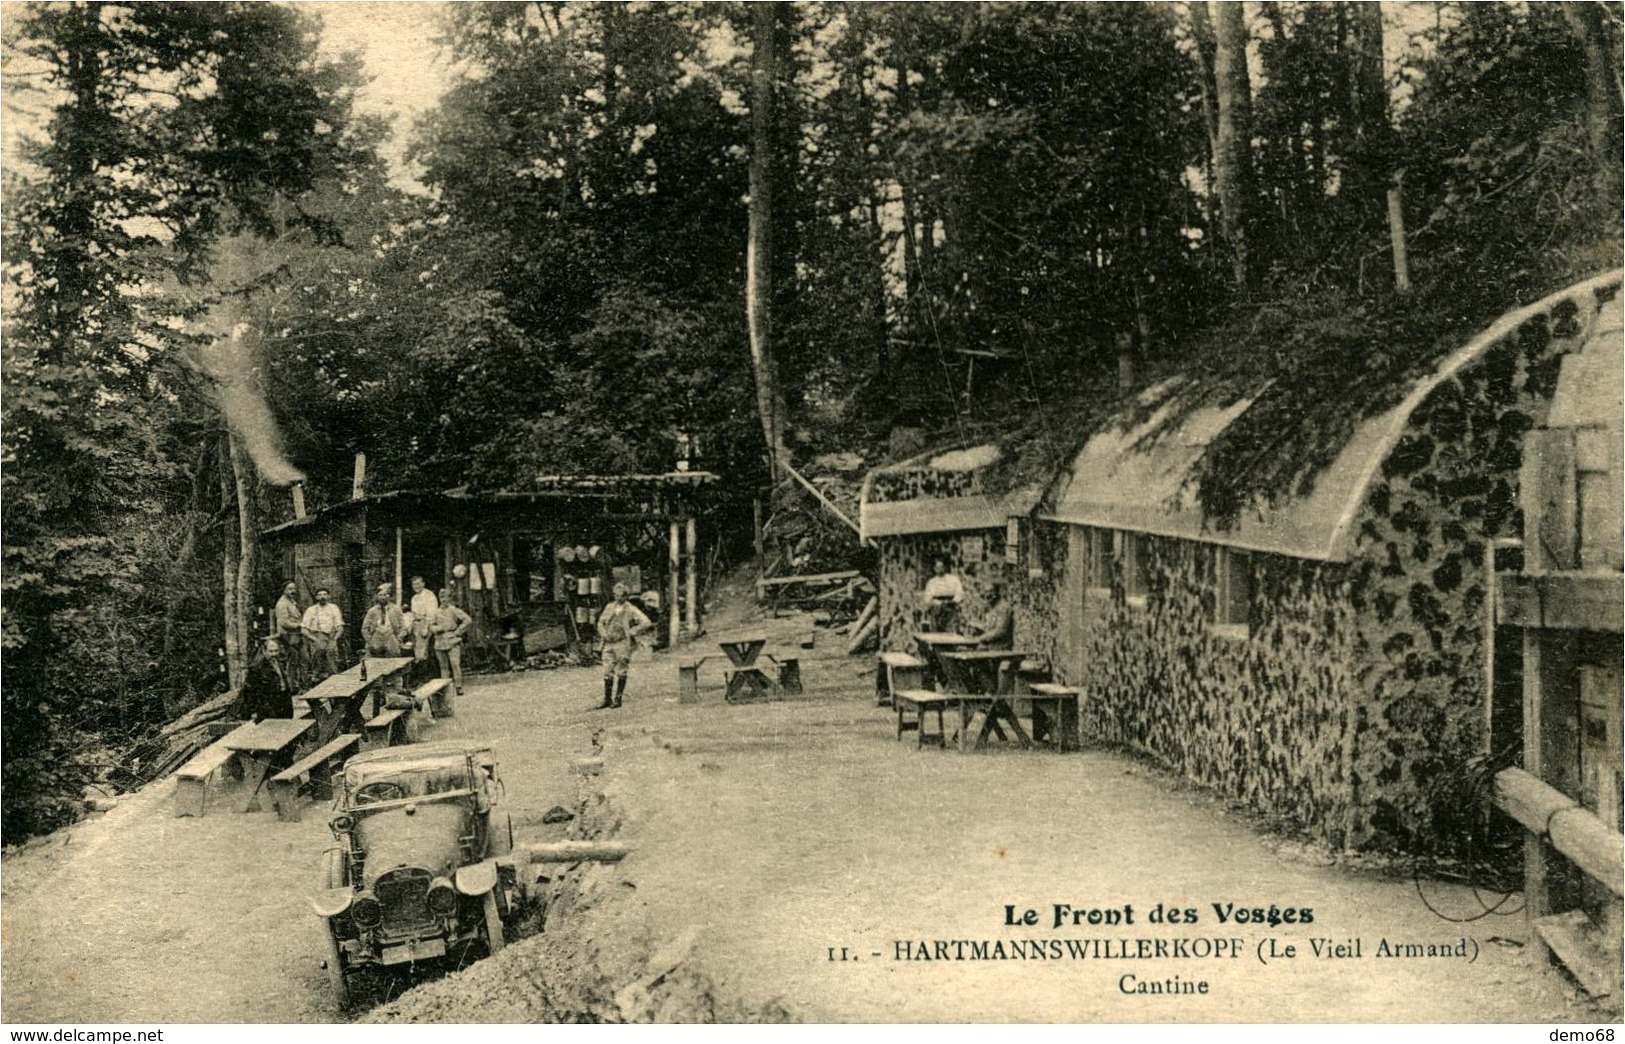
(765, 836)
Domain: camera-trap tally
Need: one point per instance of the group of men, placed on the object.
(306, 643)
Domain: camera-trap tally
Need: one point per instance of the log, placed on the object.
(576, 851)
(1574, 831)
(869, 610)
(860, 639)
(207, 711)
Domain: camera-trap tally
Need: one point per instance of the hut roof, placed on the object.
(1590, 384)
(949, 496)
(543, 487)
(1142, 476)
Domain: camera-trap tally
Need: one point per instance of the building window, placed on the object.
(1132, 557)
(1233, 593)
(1098, 563)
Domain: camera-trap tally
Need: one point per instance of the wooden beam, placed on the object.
(1575, 831)
(693, 551)
(674, 616)
(576, 851)
(1566, 601)
(793, 473)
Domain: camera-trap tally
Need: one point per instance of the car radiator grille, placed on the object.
(404, 896)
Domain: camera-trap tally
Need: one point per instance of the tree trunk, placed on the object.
(759, 253)
(1233, 158)
(231, 552)
(248, 532)
(1603, 100)
(1368, 160)
(1202, 33)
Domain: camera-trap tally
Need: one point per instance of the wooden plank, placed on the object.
(837, 512)
(1569, 601)
(1577, 942)
(811, 578)
(1549, 500)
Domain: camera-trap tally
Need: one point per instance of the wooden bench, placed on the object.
(433, 694)
(894, 672)
(921, 702)
(192, 778)
(316, 769)
(789, 675)
(1055, 714)
(387, 729)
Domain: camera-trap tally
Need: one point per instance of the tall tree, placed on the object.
(1233, 159)
(759, 253)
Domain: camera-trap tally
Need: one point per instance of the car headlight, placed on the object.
(366, 911)
(342, 823)
(442, 897)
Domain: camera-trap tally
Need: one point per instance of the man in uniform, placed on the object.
(447, 626)
(618, 626)
(323, 628)
(382, 627)
(290, 636)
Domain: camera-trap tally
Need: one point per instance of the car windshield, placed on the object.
(413, 774)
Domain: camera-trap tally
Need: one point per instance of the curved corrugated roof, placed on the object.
(1143, 478)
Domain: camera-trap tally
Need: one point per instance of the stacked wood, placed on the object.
(866, 626)
(175, 744)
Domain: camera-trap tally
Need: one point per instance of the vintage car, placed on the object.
(418, 872)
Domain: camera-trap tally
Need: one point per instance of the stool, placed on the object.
(922, 702)
(894, 672)
(1059, 702)
(688, 682)
(790, 675)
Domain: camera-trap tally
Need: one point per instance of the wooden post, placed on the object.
(761, 553)
(1536, 904)
(674, 618)
(693, 576)
(398, 542)
(358, 488)
(1396, 236)
(298, 500)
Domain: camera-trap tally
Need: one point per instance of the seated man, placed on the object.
(942, 597)
(997, 629)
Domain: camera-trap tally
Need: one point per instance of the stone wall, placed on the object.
(1354, 701)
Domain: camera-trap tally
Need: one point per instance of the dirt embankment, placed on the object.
(597, 959)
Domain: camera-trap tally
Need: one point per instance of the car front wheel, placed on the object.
(493, 924)
(336, 971)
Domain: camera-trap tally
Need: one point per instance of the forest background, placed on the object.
(214, 287)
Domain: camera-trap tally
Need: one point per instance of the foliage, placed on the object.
(170, 124)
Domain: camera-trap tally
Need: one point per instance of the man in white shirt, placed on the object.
(943, 595)
(424, 606)
(323, 627)
(290, 636)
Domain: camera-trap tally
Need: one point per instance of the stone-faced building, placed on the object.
(1324, 656)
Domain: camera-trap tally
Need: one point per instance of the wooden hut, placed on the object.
(1322, 656)
(532, 567)
(1567, 603)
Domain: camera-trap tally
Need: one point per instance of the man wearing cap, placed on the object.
(618, 627)
(381, 629)
(448, 625)
(288, 633)
(323, 627)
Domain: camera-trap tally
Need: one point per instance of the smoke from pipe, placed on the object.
(230, 361)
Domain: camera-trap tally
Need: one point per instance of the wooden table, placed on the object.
(975, 673)
(742, 653)
(932, 645)
(336, 702)
(263, 748)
